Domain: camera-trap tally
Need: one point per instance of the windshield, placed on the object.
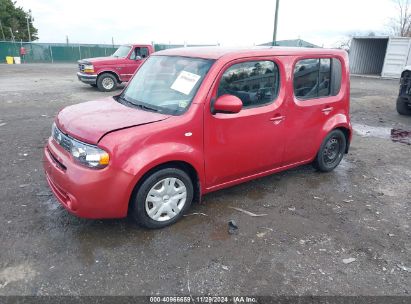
(122, 51)
(166, 84)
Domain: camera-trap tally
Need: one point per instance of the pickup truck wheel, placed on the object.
(331, 151)
(162, 198)
(106, 82)
(402, 107)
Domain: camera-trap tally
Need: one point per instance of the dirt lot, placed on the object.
(314, 221)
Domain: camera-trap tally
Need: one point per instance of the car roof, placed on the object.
(217, 52)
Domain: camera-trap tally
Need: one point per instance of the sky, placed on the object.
(227, 22)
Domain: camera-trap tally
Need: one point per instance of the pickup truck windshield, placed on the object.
(166, 84)
(122, 51)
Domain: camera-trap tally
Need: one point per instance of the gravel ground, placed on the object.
(342, 233)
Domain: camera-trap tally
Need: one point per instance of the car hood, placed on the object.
(90, 121)
(99, 60)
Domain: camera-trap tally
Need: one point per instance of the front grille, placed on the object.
(56, 161)
(62, 139)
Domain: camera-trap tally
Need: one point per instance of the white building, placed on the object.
(379, 55)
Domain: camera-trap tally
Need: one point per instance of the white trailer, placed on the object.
(379, 55)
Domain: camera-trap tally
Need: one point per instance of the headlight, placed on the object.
(87, 155)
(88, 68)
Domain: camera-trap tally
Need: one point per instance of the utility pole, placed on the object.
(28, 16)
(1, 27)
(277, 5)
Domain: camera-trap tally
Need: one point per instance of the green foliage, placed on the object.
(15, 18)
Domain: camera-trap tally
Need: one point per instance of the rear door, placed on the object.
(316, 84)
(251, 141)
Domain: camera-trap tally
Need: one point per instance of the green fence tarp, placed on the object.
(49, 52)
(61, 52)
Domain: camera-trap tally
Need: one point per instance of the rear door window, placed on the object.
(315, 78)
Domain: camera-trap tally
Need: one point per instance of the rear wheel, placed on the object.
(402, 107)
(162, 198)
(331, 151)
(106, 82)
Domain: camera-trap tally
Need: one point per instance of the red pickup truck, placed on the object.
(106, 73)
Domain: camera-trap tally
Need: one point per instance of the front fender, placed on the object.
(154, 155)
(108, 70)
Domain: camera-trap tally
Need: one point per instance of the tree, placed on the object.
(401, 25)
(345, 42)
(13, 22)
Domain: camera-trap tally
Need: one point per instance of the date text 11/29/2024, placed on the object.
(203, 299)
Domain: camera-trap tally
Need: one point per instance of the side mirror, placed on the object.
(228, 104)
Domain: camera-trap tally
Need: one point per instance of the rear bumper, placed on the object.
(87, 78)
(85, 192)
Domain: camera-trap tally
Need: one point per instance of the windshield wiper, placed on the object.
(138, 104)
(122, 100)
(144, 107)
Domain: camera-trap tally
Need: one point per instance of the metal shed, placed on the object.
(379, 55)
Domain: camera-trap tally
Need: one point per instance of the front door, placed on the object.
(134, 60)
(251, 141)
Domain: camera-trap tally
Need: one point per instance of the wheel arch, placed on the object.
(340, 122)
(347, 135)
(109, 72)
(406, 70)
(179, 164)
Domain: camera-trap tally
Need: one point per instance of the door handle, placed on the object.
(277, 119)
(327, 110)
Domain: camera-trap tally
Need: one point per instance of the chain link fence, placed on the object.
(62, 52)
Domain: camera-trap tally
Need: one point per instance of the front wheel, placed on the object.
(106, 82)
(162, 198)
(331, 151)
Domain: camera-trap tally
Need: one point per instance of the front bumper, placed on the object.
(85, 192)
(87, 78)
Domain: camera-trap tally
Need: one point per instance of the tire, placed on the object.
(106, 82)
(331, 151)
(402, 107)
(94, 85)
(158, 181)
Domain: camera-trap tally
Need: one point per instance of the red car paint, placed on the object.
(223, 149)
(121, 67)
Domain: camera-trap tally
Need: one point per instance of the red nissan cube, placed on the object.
(196, 120)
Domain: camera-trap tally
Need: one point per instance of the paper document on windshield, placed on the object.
(185, 82)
